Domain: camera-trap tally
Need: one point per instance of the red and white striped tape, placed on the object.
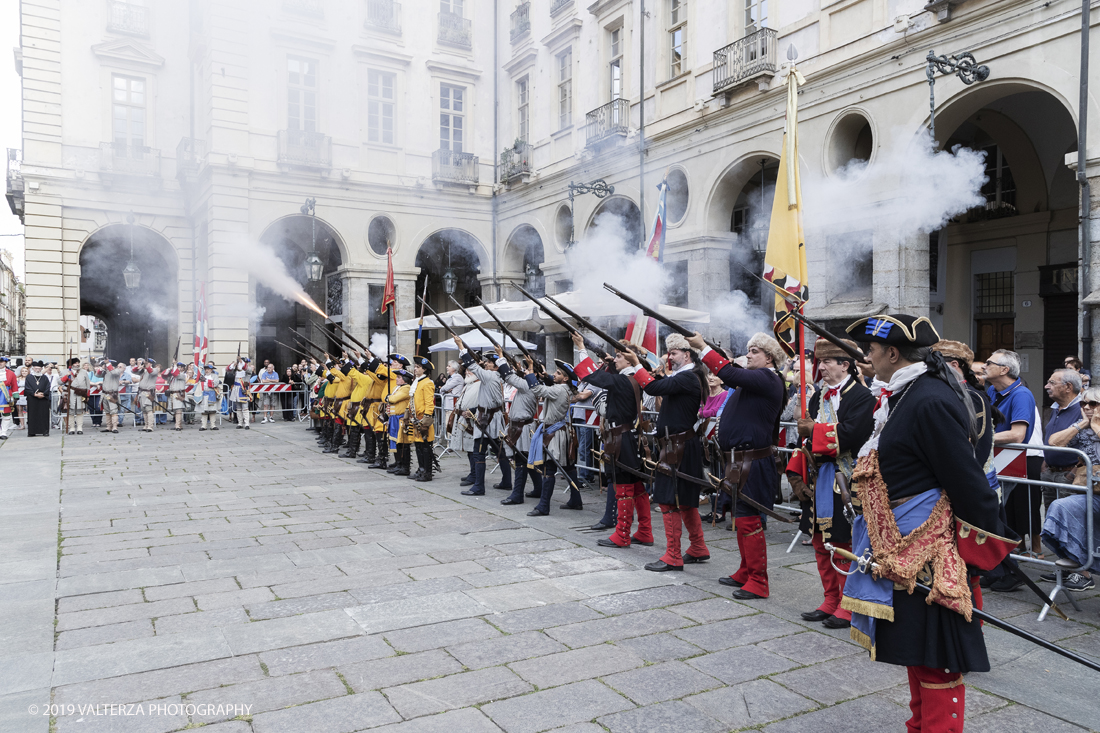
(1010, 462)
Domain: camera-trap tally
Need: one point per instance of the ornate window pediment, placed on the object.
(129, 51)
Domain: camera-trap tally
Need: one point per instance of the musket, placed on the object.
(602, 457)
(476, 325)
(420, 326)
(291, 348)
(687, 333)
(563, 323)
(354, 340)
(304, 340)
(809, 323)
(176, 354)
(508, 335)
(442, 323)
(615, 344)
(866, 564)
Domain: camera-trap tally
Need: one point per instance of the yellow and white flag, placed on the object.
(785, 259)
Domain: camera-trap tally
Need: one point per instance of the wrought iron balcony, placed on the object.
(128, 160)
(305, 149)
(559, 5)
(451, 167)
(14, 190)
(515, 162)
(189, 156)
(126, 18)
(743, 60)
(384, 15)
(608, 121)
(521, 21)
(312, 8)
(454, 30)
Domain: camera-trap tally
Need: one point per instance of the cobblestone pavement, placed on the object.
(235, 568)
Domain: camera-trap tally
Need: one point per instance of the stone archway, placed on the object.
(446, 253)
(292, 240)
(618, 218)
(1004, 274)
(143, 321)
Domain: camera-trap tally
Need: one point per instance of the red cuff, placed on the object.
(715, 361)
(642, 377)
(826, 442)
(797, 465)
(585, 367)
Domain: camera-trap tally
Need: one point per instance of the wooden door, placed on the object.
(993, 334)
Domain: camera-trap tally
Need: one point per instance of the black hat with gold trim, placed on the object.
(423, 362)
(895, 330)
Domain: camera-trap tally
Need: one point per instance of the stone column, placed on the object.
(901, 272)
(1090, 291)
(708, 283)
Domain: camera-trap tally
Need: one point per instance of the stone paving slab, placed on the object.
(336, 597)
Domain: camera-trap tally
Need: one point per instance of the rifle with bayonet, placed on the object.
(809, 323)
(564, 324)
(652, 313)
(509, 335)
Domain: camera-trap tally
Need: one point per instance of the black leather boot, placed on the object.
(426, 459)
(404, 458)
(353, 442)
(369, 454)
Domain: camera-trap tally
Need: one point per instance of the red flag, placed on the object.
(201, 342)
(389, 296)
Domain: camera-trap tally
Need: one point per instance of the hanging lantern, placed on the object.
(450, 281)
(132, 275)
(315, 269)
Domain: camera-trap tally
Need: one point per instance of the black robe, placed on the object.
(855, 422)
(620, 408)
(750, 420)
(925, 445)
(680, 403)
(38, 409)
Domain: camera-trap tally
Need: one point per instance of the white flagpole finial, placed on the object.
(792, 52)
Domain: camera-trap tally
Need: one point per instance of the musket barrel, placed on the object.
(442, 323)
(655, 315)
(477, 325)
(613, 342)
(354, 340)
(562, 322)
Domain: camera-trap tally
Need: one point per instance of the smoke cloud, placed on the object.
(909, 188)
(268, 268)
(378, 344)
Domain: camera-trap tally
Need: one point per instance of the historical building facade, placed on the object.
(452, 130)
(11, 308)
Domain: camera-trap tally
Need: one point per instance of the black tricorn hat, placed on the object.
(895, 330)
(423, 362)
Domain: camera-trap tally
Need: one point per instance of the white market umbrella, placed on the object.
(475, 340)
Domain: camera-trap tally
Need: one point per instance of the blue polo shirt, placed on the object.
(1017, 404)
(1060, 419)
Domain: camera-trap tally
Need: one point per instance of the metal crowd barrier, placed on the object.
(1059, 488)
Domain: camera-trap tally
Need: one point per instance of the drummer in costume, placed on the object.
(927, 512)
(422, 417)
(682, 393)
(552, 442)
(397, 405)
(517, 437)
(747, 435)
(840, 421)
(488, 422)
(620, 443)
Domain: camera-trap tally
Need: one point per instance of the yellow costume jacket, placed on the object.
(363, 382)
(398, 404)
(424, 406)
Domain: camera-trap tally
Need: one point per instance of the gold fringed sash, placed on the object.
(932, 544)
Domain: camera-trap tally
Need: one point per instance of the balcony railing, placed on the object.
(307, 149)
(384, 15)
(742, 60)
(451, 167)
(128, 160)
(559, 5)
(312, 8)
(14, 189)
(454, 30)
(515, 162)
(189, 156)
(126, 18)
(521, 21)
(608, 121)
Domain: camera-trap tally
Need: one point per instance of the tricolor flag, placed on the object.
(389, 295)
(785, 259)
(642, 330)
(202, 345)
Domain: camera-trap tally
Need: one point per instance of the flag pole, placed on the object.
(802, 364)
